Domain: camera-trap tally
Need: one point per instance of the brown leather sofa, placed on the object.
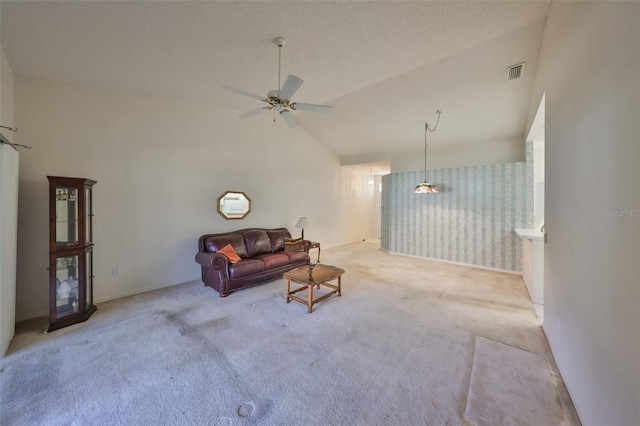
(262, 255)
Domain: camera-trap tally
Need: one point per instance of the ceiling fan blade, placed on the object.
(243, 92)
(254, 112)
(286, 115)
(290, 87)
(326, 109)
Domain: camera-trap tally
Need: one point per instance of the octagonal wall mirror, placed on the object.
(234, 205)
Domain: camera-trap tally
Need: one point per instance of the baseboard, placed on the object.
(33, 315)
(568, 386)
(104, 299)
(138, 291)
(471, 265)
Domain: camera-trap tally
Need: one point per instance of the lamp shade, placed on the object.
(426, 187)
(302, 223)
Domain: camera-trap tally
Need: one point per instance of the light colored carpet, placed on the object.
(396, 349)
(510, 386)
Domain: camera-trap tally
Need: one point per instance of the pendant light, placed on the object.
(426, 187)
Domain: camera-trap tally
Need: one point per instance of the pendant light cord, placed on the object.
(427, 128)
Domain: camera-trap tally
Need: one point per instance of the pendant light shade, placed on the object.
(426, 187)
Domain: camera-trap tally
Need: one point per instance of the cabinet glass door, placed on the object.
(89, 215)
(67, 269)
(66, 216)
(89, 279)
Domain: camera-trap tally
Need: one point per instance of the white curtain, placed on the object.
(9, 161)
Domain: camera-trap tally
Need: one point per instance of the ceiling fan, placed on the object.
(280, 100)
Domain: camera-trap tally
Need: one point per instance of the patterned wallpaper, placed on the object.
(470, 220)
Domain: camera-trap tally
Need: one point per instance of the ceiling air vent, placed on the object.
(515, 72)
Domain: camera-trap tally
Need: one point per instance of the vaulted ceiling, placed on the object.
(385, 66)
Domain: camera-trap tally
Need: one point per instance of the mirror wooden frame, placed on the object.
(234, 205)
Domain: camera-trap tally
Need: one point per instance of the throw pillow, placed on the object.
(293, 244)
(230, 253)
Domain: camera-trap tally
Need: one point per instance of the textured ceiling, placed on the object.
(386, 66)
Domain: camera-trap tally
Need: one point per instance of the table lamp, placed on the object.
(302, 223)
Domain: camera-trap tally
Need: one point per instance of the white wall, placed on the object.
(9, 159)
(6, 96)
(459, 155)
(160, 166)
(589, 69)
(538, 185)
(363, 195)
(357, 188)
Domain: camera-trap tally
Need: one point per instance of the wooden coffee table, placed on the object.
(320, 275)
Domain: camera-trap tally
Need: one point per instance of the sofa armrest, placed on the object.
(212, 260)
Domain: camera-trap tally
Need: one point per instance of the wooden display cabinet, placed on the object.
(70, 251)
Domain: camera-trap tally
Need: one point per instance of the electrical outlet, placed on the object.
(116, 272)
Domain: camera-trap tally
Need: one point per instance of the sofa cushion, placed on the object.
(277, 237)
(293, 244)
(215, 243)
(245, 267)
(230, 253)
(273, 260)
(297, 256)
(257, 242)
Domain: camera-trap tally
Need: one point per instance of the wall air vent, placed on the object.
(515, 72)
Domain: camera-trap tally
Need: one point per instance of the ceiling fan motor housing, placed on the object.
(274, 99)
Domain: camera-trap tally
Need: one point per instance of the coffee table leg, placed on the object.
(310, 298)
(288, 290)
(340, 286)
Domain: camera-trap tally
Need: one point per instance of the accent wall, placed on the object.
(471, 219)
